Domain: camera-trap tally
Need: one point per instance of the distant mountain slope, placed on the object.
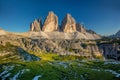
(116, 35)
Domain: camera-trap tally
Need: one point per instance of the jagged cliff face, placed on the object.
(36, 26)
(68, 24)
(76, 47)
(80, 28)
(68, 29)
(51, 23)
(110, 50)
(10, 49)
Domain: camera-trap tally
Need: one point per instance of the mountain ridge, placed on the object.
(50, 29)
(68, 29)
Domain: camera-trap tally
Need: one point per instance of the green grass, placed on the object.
(56, 57)
(54, 71)
(58, 67)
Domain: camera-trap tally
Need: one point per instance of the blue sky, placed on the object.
(102, 16)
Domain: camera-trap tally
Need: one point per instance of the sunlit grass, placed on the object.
(50, 70)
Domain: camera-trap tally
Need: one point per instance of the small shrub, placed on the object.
(84, 45)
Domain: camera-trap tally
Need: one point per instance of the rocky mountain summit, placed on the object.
(80, 28)
(117, 35)
(68, 24)
(51, 23)
(70, 38)
(36, 26)
(68, 29)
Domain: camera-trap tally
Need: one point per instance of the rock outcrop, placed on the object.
(77, 47)
(36, 26)
(51, 23)
(68, 24)
(91, 31)
(9, 49)
(80, 28)
(117, 35)
(111, 50)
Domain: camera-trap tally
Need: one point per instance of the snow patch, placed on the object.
(63, 64)
(112, 62)
(80, 64)
(113, 72)
(96, 69)
(82, 77)
(6, 70)
(19, 74)
(37, 77)
(5, 76)
(6, 73)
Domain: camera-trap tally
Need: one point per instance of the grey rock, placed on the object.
(36, 26)
(68, 24)
(51, 23)
(80, 28)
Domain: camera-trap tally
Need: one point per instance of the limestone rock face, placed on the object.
(68, 29)
(110, 50)
(80, 28)
(51, 23)
(68, 24)
(36, 26)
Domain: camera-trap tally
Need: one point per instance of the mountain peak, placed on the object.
(117, 34)
(35, 26)
(68, 15)
(68, 24)
(51, 13)
(68, 27)
(51, 23)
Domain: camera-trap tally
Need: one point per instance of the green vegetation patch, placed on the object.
(60, 70)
